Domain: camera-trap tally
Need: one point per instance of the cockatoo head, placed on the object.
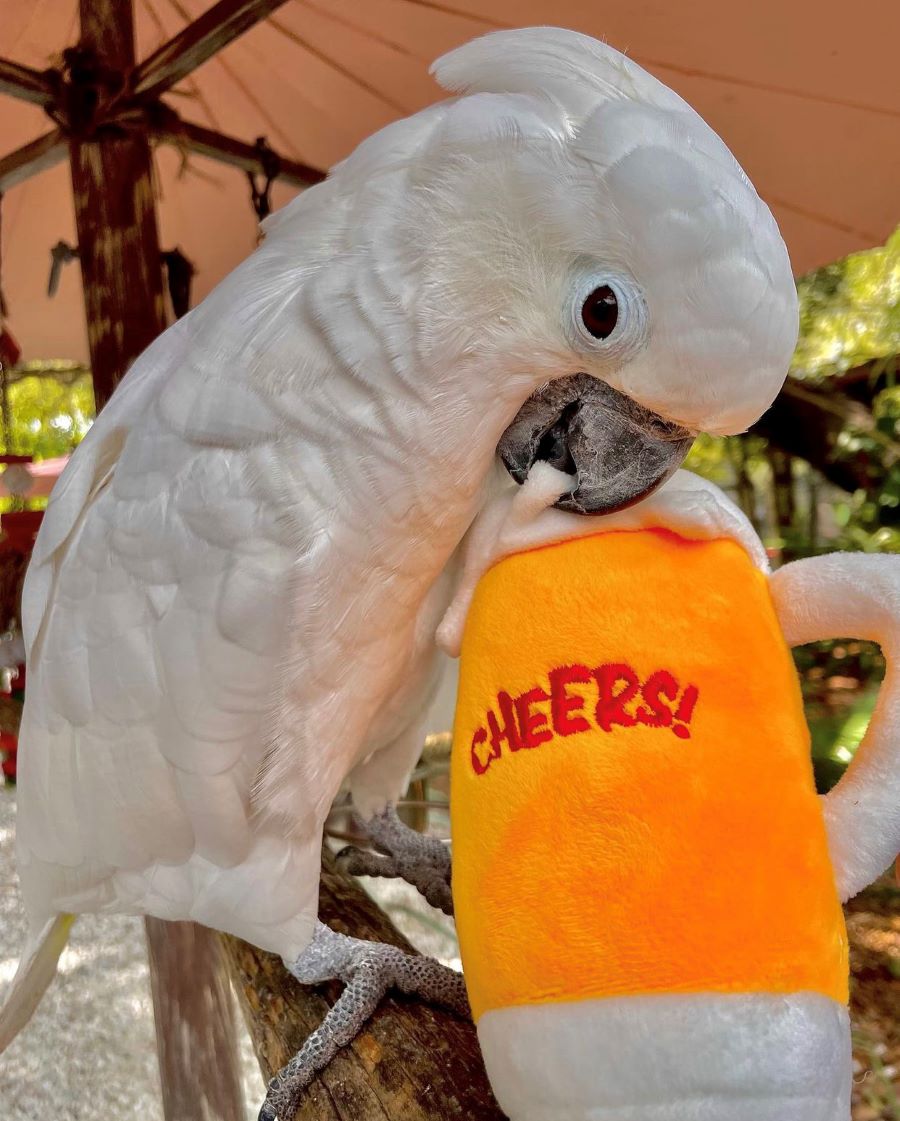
(595, 252)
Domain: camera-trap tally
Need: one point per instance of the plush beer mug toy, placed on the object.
(647, 886)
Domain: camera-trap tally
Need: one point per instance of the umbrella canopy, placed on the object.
(804, 93)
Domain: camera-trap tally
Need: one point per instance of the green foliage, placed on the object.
(50, 408)
(850, 313)
(840, 680)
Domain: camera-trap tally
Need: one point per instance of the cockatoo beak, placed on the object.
(618, 450)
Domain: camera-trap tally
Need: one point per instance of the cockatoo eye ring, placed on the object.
(600, 312)
(607, 312)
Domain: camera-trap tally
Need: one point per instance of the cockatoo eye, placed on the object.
(607, 313)
(600, 312)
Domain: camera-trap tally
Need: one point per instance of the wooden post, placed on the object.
(115, 211)
(118, 243)
(196, 1029)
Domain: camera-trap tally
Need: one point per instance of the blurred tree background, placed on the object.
(47, 408)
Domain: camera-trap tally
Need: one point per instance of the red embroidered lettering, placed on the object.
(612, 701)
(563, 703)
(520, 723)
(508, 730)
(685, 712)
(533, 725)
(656, 713)
(482, 759)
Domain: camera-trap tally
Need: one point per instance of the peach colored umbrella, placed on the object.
(805, 93)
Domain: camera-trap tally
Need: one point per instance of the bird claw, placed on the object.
(368, 969)
(267, 1112)
(282, 1096)
(405, 854)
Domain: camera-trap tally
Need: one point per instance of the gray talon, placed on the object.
(369, 969)
(406, 854)
(267, 1112)
(357, 862)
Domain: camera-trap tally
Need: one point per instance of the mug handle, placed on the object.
(854, 595)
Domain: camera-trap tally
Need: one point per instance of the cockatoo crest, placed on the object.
(577, 71)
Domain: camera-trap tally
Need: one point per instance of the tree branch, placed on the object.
(31, 159)
(411, 1061)
(198, 42)
(810, 423)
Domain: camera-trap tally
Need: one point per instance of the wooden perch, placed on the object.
(412, 1062)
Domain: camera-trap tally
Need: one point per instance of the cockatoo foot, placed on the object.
(404, 853)
(369, 970)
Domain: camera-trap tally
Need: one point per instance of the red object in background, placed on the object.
(9, 745)
(10, 351)
(9, 741)
(20, 529)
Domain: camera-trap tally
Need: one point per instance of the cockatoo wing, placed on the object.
(220, 577)
(157, 608)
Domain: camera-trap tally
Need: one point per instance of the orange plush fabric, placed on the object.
(632, 794)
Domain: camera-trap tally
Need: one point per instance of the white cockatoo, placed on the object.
(232, 604)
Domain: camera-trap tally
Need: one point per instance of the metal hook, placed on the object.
(261, 196)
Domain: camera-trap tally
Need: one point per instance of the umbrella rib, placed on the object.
(823, 219)
(823, 99)
(243, 87)
(365, 31)
(686, 71)
(448, 11)
(251, 97)
(191, 81)
(299, 41)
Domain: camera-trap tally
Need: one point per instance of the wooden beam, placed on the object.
(198, 42)
(45, 152)
(225, 149)
(24, 82)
